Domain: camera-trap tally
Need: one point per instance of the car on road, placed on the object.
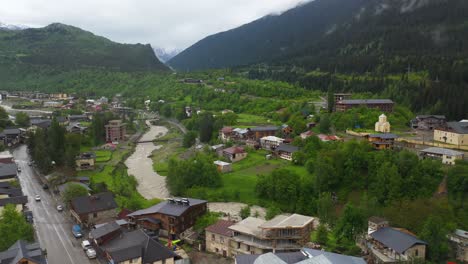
(30, 163)
(85, 245)
(29, 216)
(59, 208)
(37, 198)
(91, 253)
(76, 230)
(19, 169)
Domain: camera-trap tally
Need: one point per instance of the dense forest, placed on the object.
(64, 47)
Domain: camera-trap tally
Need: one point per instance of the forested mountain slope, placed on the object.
(63, 47)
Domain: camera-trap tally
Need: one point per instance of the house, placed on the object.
(327, 138)
(286, 129)
(286, 151)
(341, 97)
(459, 240)
(136, 247)
(270, 142)
(23, 252)
(447, 156)
(382, 126)
(58, 96)
(8, 172)
(240, 133)
(227, 111)
(105, 232)
(77, 118)
(40, 123)
(191, 81)
(218, 238)
(175, 214)
(76, 128)
(234, 154)
(12, 195)
(222, 166)
(6, 157)
(384, 105)
(94, 209)
(389, 245)
(52, 104)
(382, 141)
(217, 148)
(115, 131)
(225, 133)
(306, 134)
(11, 136)
(282, 233)
(257, 133)
(456, 133)
(85, 161)
(304, 256)
(429, 122)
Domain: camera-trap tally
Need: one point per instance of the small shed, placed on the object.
(223, 167)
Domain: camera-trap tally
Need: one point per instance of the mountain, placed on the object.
(165, 55)
(63, 47)
(4, 26)
(323, 33)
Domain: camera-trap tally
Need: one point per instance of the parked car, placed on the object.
(19, 169)
(85, 244)
(29, 216)
(91, 253)
(59, 208)
(76, 230)
(37, 198)
(30, 163)
(45, 186)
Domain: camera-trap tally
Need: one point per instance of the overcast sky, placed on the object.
(168, 24)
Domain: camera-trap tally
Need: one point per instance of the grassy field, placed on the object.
(103, 155)
(243, 179)
(248, 119)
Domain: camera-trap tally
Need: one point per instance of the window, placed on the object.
(95, 215)
(248, 248)
(416, 253)
(238, 244)
(212, 237)
(217, 250)
(221, 239)
(252, 252)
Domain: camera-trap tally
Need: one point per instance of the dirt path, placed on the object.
(150, 184)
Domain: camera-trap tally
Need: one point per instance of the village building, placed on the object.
(76, 128)
(52, 104)
(223, 167)
(85, 161)
(270, 142)
(115, 131)
(225, 134)
(218, 237)
(12, 136)
(286, 129)
(257, 133)
(304, 256)
(95, 209)
(429, 122)
(176, 215)
(384, 105)
(456, 133)
(23, 252)
(382, 141)
(306, 134)
(390, 245)
(382, 126)
(286, 151)
(39, 123)
(447, 156)
(282, 233)
(12, 195)
(77, 118)
(6, 157)
(136, 247)
(327, 138)
(459, 240)
(234, 154)
(8, 172)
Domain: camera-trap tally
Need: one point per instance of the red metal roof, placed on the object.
(221, 228)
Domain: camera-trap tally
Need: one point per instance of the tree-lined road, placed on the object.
(53, 228)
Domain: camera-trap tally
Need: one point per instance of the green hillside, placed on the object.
(62, 48)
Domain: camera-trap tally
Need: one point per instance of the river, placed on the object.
(150, 183)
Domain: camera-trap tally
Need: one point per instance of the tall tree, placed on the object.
(351, 224)
(206, 126)
(13, 226)
(22, 119)
(435, 232)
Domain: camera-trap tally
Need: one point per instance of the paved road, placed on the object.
(53, 228)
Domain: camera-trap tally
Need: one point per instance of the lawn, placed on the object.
(103, 155)
(248, 119)
(242, 181)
